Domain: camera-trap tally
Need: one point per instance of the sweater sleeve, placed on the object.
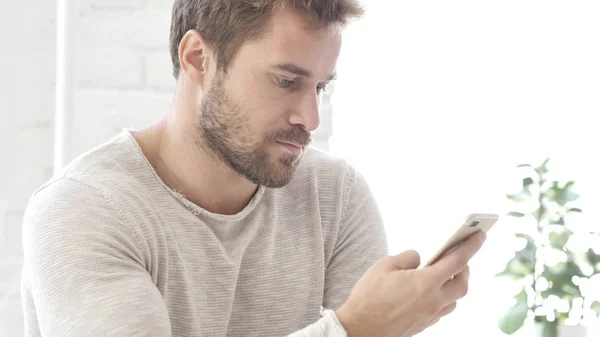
(361, 241)
(83, 272)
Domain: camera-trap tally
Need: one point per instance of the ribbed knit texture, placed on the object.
(110, 250)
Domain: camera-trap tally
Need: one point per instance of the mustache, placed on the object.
(295, 135)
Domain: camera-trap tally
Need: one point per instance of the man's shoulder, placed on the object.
(93, 189)
(115, 163)
(100, 175)
(324, 172)
(322, 163)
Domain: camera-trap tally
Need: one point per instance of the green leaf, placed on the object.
(562, 317)
(545, 163)
(514, 318)
(592, 257)
(515, 214)
(527, 255)
(596, 307)
(561, 279)
(550, 329)
(575, 210)
(556, 291)
(515, 269)
(573, 269)
(542, 169)
(527, 182)
(521, 297)
(571, 196)
(524, 165)
(524, 236)
(558, 240)
(520, 196)
(563, 195)
(571, 290)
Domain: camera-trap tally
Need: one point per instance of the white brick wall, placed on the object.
(122, 73)
(27, 72)
(122, 77)
(158, 71)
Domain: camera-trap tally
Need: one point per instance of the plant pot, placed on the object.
(562, 330)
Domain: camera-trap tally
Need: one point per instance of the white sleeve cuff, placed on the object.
(336, 327)
(327, 326)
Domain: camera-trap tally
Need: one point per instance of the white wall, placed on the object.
(120, 76)
(27, 37)
(121, 69)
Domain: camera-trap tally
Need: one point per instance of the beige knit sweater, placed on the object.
(110, 250)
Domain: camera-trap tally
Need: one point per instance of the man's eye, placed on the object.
(321, 89)
(284, 82)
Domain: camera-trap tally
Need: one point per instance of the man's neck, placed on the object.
(186, 168)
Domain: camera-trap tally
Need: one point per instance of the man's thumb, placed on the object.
(409, 259)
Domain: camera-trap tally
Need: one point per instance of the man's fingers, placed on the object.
(457, 287)
(447, 310)
(409, 259)
(453, 263)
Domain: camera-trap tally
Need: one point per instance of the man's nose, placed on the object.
(307, 113)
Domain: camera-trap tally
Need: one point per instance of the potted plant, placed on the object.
(550, 273)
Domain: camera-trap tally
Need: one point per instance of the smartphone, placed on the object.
(470, 225)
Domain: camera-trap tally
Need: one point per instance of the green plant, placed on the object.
(549, 272)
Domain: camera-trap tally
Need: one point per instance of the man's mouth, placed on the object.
(292, 147)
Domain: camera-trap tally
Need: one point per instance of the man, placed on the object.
(220, 220)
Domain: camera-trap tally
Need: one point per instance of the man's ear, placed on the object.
(196, 58)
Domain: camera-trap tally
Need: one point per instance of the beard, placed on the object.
(224, 131)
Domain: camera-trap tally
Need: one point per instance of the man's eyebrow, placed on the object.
(294, 69)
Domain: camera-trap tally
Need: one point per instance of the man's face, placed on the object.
(258, 117)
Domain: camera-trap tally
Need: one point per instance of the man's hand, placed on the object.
(393, 299)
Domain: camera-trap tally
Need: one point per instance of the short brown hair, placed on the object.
(227, 24)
